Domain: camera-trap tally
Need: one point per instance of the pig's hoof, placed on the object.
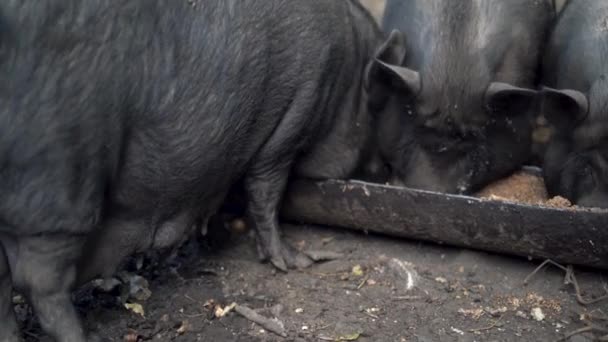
(284, 257)
(279, 263)
(295, 258)
(303, 261)
(290, 258)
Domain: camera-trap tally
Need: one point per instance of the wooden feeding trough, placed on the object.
(567, 235)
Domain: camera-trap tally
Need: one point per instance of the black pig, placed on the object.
(575, 102)
(124, 124)
(466, 95)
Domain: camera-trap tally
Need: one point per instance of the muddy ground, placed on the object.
(455, 295)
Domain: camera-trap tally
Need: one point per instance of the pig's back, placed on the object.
(578, 47)
(236, 74)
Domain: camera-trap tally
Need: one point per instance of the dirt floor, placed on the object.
(382, 289)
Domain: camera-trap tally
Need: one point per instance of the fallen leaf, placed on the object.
(348, 337)
(219, 312)
(184, 327)
(357, 271)
(136, 308)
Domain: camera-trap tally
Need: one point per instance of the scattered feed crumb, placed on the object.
(558, 202)
(537, 314)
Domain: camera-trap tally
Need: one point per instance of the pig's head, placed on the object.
(576, 161)
(448, 127)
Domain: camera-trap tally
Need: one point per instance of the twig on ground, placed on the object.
(541, 266)
(370, 315)
(322, 328)
(323, 255)
(577, 332)
(570, 278)
(406, 297)
(491, 326)
(590, 327)
(601, 317)
(194, 315)
(269, 324)
(190, 298)
(363, 282)
(334, 274)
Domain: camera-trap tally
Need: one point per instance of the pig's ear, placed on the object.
(563, 108)
(507, 99)
(385, 68)
(401, 76)
(392, 51)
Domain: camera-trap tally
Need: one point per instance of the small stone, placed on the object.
(441, 280)
(184, 327)
(537, 314)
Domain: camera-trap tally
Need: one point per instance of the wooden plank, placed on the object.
(565, 235)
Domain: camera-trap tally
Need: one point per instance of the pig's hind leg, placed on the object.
(8, 325)
(46, 271)
(266, 181)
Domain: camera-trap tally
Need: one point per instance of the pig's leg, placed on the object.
(8, 325)
(266, 182)
(46, 270)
